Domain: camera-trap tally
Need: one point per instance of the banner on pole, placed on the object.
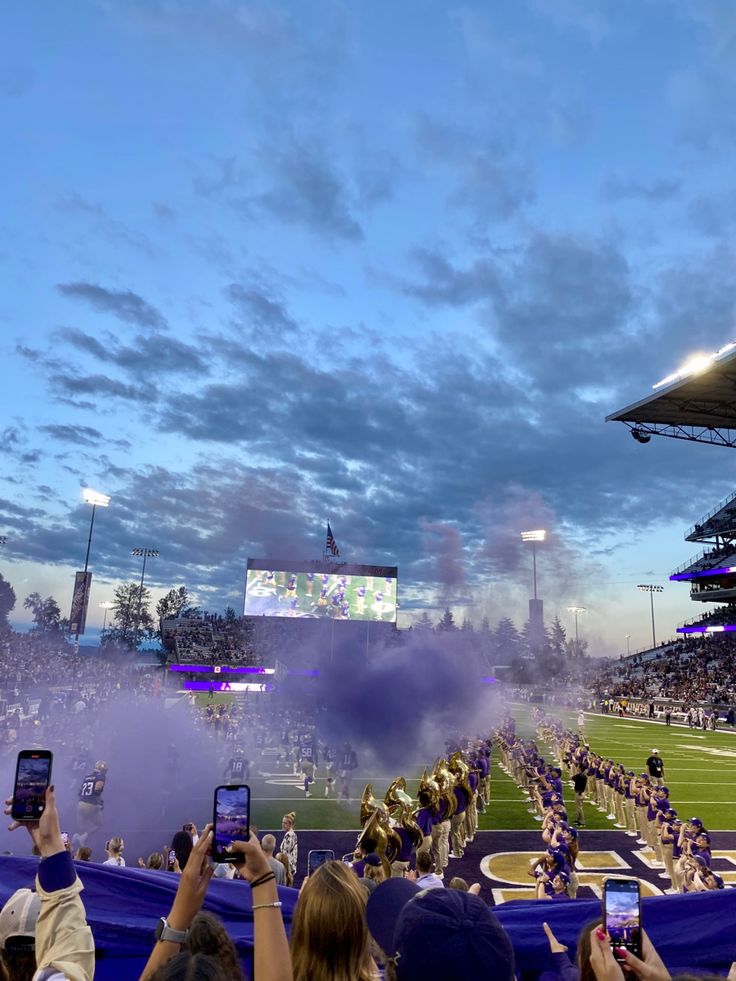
(80, 601)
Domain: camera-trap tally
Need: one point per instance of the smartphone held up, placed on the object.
(32, 780)
(622, 914)
(231, 821)
(317, 857)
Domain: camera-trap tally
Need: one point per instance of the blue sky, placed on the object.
(390, 265)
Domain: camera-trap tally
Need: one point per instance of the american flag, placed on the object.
(331, 544)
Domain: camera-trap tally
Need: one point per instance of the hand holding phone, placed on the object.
(231, 821)
(32, 780)
(622, 914)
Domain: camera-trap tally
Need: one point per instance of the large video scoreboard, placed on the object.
(329, 590)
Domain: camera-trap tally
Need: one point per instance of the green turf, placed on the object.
(702, 783)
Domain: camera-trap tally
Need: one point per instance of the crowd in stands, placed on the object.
(208, 639)
(696, 669)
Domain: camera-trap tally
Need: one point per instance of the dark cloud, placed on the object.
(164, 212)
(80, 435)
(491, 182)
(260, 310)
(442, 283)
(308, 189)
(617, 188)
(124, 304)
(104, 386)
(154, 353)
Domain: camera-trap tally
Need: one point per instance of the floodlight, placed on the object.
(95, 498)
(534, 536)
(640, 435)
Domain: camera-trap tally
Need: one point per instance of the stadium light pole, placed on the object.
(145, 553)
(628, 644)
(651, 589)
(576, 610)
(107, 605)
(96, 500)
(538, 535)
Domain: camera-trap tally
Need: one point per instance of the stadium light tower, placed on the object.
(628, 644)
(536, 607)
(651, 589)
(576, 610)
(145, 553)
(107, 605)
(97, 500)
(534, 536)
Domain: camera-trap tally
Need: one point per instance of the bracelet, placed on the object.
(267, 906)
(264, 878)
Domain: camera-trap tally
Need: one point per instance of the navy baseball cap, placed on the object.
(438, 933)
(697, 822)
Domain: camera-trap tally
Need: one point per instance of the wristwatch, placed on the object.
(165, 932)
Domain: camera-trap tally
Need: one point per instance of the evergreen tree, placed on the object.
(424, 622)
(557, 637)
(506, 641)
(230, 614)
(447, 621)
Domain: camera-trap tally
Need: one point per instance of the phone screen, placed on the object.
(231, 820)
(32, 778)
(317, 857)
(622, 914)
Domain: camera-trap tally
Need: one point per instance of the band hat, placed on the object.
(18, 916)
(655, 750)
(439, 933)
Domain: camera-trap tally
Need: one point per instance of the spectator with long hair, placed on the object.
(329, 936)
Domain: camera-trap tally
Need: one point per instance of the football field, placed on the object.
(700, 771)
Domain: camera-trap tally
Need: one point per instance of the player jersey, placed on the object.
(307, 753)
(238, 766)
(88, 792)
(79, 764)
(348, 760)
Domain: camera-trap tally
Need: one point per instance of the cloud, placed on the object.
(123, 304)
(307, 189)
(616, 188)
(104, 386)
(260, 310)
(154, 353)
(80, 435)
(489, 180)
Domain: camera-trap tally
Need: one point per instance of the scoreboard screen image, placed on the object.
(336, 591)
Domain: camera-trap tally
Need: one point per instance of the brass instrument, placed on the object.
(446, 781)
(430, 789)
(368, 804)
(400, 808)
(460, 769)
(377, 836)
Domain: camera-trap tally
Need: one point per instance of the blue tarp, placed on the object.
(695, 932)
(124, 905)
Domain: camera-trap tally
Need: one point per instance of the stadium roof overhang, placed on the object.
(699, 407)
